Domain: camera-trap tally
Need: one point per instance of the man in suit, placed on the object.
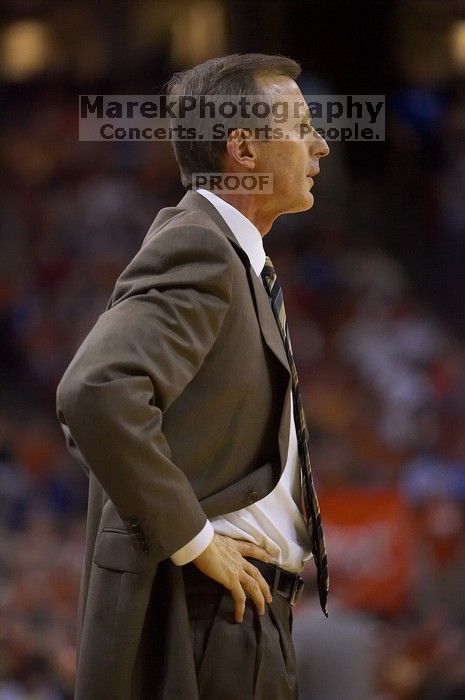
(182, 406)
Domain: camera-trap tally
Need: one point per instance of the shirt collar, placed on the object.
(248, 236)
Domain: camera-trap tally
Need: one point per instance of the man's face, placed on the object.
(294, 158)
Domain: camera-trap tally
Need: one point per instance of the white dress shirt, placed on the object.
(274, 522)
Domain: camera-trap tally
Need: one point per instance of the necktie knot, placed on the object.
(268, 269)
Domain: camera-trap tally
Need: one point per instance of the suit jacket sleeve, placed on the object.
(167, 309)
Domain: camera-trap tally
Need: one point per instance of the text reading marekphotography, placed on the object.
(215, 117)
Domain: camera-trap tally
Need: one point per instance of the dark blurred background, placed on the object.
(374, 278)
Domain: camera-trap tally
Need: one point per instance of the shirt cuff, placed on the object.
(192, 549)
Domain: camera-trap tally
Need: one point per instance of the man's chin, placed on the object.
(304, 202)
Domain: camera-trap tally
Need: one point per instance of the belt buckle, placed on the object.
(297, 590)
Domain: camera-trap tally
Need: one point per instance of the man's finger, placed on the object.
(239, 602)
(256, 574)
(248, 549)
(251, 586)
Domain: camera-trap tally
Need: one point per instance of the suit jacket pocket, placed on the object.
(115, 551)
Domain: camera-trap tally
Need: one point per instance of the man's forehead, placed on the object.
(285, 89)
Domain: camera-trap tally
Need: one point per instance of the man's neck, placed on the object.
(254, 208)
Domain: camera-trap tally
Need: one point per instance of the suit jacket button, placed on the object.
(252, 497)
(133, 522)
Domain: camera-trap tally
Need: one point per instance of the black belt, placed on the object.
(288, 585)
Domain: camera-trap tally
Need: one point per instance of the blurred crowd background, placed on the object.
(374, 278)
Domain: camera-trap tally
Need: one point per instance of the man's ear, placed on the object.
(242, 149)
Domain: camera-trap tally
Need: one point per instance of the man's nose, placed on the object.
(319, 148)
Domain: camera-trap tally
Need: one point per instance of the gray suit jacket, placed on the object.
(177, 405)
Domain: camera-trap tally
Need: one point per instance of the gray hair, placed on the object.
(228, 75)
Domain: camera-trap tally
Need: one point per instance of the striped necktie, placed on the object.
(310, 507)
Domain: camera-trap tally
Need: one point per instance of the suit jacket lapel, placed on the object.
(267, 321)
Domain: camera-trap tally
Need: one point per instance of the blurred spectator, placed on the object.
(346, 642)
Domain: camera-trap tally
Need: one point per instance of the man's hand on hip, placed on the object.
(223, 560)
